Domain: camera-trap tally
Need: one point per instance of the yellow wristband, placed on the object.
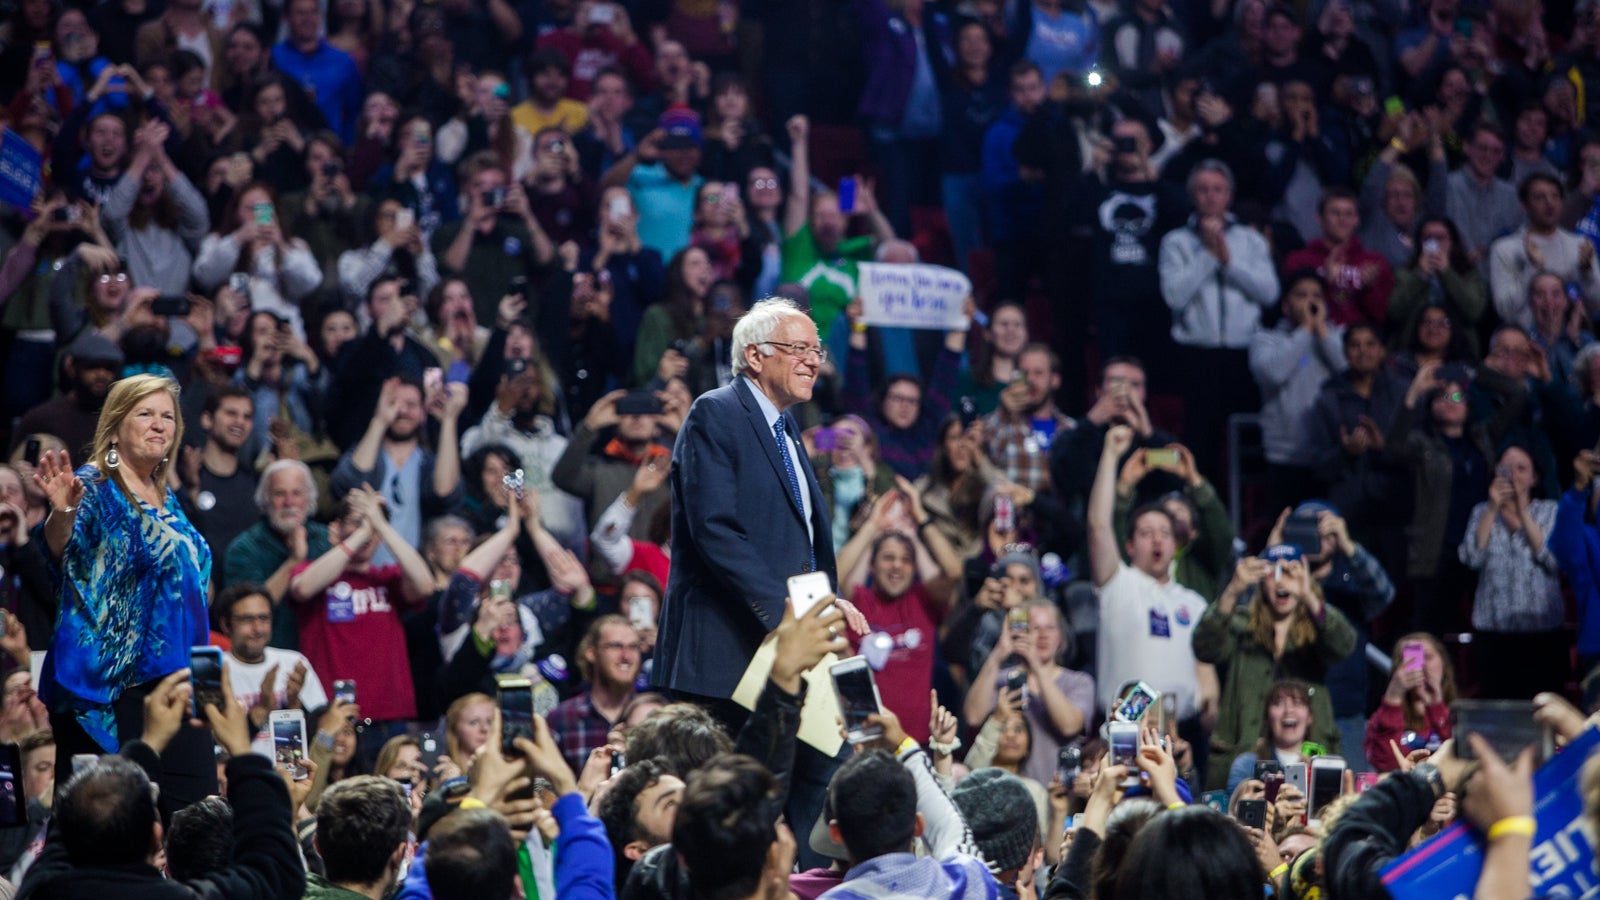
(858, 327)
(906, 746)
(1277, 873)
(1397, 144)
(471, 803)
(1177, 805)
(1523, 825)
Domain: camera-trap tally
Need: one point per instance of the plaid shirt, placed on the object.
(1019, 451)
(579, 728)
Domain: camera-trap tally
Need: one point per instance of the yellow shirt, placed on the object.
(569, 115)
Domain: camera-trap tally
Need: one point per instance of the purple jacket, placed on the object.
(891, 52)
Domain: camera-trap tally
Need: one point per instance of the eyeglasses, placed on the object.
(618, 647)
(764, 184)
(800, 350)
(554, 147)
(118, 277)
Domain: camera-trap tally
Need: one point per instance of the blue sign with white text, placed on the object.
(21, 170)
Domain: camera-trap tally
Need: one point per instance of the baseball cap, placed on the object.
(682, 126)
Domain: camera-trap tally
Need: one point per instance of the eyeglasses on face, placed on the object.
(800, 350)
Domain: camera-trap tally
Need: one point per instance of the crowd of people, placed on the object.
(405, 351)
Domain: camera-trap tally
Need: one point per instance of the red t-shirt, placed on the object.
(353, 631)
(905, 680)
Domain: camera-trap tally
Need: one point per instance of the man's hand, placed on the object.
(14, 642)
(299, 788)
(1499, 791)
(544, 758)
(165, 709)
(337, 714)
(803, 642)
(604, 412)
(266, 699)
(893, 734)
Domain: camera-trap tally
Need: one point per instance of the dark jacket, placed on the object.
(266, 863)
(737, 534)
(1373, 831)
(1370, 483)
(891, 54)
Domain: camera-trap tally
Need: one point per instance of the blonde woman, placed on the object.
(133, 588)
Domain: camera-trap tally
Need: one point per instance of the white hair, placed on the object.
(759, 325)
(284, 465)
(897, 245)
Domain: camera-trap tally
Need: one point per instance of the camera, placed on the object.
(330, 170)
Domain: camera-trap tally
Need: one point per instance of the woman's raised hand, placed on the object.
(54, 476)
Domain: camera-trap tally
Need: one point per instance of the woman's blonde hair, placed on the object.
(452, 718)
(124, 397)
(1302, 631)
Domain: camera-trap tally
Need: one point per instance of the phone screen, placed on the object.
(1124, 743)
(1507, 725)
(289, 745)
(13, 799)
(1327, 783)
(516, 717)
(344, 689)
(205, 674)
(857, 700)
(1134, 708)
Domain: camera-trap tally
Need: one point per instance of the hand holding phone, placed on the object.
(205, 676)
(805, 590)
(858, 698)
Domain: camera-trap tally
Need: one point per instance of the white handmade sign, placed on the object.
(912, 295)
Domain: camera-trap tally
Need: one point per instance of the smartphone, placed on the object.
(501, 588)
(1069, 764)
(13, 798)
(619, 206)
(1017, 620)
(1299, 775)
(1271, 784)
(969, 412)
(1016, 680)
(619, 761)
(1464, 27)
(807, 589)
(432, 379)
(1365, 780)
(1327, 783)
(1302, 532)
(1005, 513)
(1413, 655)
(1507, 725)
(826, 440)
(171, 305)
(518, 285)
(1161, 457)
(344, 689)
(1265, 767)
(404, 218)
(30, 451)
(420, 134)
(1217, 800)
(263, 213)
(1252, 813)
(495, 197)
(639, 403)
(289, 741)
(205, 676)
(1137, 699)
(858, 698)
(1394, 106)
(239, 283)
(642, 611)
(431, 747)
(1073, 823)
(847, 195)
(1124, 739)
(1431, 245)
(601, 14)
(515, 696)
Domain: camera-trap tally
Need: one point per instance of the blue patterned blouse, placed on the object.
(132, 585)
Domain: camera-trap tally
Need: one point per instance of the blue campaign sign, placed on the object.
(20, 170)
(1560, 863)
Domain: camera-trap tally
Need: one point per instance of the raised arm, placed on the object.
(797, 209)
(1103, 556)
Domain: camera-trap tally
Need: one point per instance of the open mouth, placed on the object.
(1283, 594)
(1289, 722)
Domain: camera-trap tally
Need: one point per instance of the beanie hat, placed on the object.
(1000, 812)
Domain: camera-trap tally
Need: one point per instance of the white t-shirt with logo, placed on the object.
(245, 678)
(1146, 629)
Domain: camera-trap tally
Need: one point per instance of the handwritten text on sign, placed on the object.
(906, 295)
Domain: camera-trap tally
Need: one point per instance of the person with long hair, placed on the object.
(1415, 712)
(1438, 338)
(994, 359)
(1287, 630)
(467, 725)
(1286, 722)
(272, 130)
(249, 240)
(675, 324)
(356, 27)
(155, 215)
(958, 477)
(722, 231)
(1441, 274)
(1004, 742)
(134, 573)
(484, 123)
(1518, 611)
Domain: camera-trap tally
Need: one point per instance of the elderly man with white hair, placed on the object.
(267, 552)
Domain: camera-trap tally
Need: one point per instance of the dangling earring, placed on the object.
(112, 459)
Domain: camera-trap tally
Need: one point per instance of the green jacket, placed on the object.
(319, 888)
(1248, 671)
(1202, 565)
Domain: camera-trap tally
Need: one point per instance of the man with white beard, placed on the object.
(267, 552)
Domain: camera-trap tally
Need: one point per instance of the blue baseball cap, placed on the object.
(1282, 553)
(682, 127)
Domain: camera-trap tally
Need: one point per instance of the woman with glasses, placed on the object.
(90, 291)
(763, 196)
(1440, 275)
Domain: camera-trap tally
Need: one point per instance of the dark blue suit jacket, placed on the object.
(737, 536)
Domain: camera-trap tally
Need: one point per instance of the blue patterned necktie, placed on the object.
(794, 478)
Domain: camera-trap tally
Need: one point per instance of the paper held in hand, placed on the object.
(912, 295)
(819, 716)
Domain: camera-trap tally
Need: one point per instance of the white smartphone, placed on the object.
(858, 698)
(404, 218)
(805, 590)
(1298, 774)
(642, 611)
(1124, 740)
(289, 741)
(1327, 783)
